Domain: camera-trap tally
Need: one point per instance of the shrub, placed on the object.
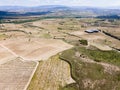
(83, 42)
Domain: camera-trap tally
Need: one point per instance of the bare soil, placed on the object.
(35, 49)
(15, 74)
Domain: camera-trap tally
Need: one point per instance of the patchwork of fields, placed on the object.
(30, 52)
(18, 59)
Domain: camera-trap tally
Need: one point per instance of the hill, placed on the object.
(57, 10)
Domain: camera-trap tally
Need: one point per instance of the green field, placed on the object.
(94, 74)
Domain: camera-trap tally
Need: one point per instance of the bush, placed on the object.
(59, 28)
(97, 60)
(83, 42)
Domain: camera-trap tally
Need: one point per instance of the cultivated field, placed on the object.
(5, 55)
(17, 68)
(24, 46)
(15, 74)
(35, 49)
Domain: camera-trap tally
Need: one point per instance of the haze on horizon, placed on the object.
(92, 3)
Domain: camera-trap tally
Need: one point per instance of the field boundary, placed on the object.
(26, 86)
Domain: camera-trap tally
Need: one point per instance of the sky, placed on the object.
(93, 3)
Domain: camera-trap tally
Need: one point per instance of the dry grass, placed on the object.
(51, 75)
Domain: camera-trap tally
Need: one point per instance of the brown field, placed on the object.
(93, 39)
(15, 74)
(5, 55)
(99, 40)
(35, 49)
(114, 31)
(16, 56)
(59, 27)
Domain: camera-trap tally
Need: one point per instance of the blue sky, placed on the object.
(94, 3)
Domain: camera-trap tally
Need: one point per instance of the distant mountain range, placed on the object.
(27, 9)
(58, 10)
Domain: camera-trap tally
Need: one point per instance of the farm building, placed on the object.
(92, 31)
